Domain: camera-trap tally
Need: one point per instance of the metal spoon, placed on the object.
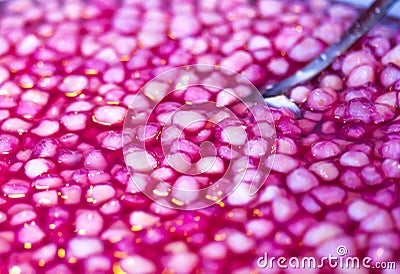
(276, 95)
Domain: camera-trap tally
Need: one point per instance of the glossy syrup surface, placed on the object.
(68, 72)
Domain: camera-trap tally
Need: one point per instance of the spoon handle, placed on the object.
(364, 23)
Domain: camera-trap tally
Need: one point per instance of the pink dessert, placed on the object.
(69, 71)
